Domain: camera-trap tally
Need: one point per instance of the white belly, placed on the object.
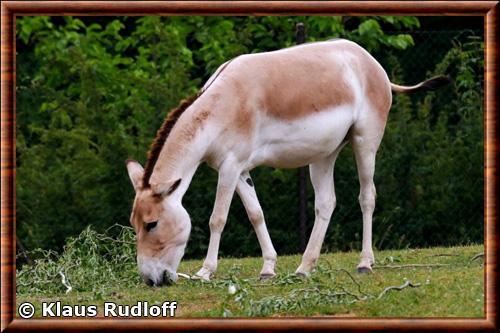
(291, 144)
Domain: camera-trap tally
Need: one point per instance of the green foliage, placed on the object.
(93, 91)
(441, 166)
(83, 106)
(90, 262)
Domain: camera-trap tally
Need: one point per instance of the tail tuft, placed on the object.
(436, 82)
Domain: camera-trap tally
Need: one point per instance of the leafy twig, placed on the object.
(65, 282)
(355, 282)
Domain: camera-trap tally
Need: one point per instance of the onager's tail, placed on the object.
(430, 84)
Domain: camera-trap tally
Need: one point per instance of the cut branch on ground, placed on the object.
(410, 266)
(399, 288)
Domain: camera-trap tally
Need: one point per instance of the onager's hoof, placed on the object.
(364, 270)
(266, 276)
(303, 275)
(203, 274)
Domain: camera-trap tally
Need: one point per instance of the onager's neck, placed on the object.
(184, 149)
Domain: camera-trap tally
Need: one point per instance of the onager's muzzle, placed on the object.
(163, 278)
(154, 273)
(167, 279)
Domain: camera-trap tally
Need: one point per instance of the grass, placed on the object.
(100, 269)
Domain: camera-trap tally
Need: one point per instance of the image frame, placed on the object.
(11, 9)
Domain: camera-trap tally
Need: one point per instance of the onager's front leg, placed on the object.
(246, 191)
(228, 178)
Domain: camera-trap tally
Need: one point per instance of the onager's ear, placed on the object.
(135, 172)
(166, 188)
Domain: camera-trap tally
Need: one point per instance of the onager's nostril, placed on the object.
(167, 280)
(149, 282)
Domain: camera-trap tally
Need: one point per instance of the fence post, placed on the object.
(300, 37)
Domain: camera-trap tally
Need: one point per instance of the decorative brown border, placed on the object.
(11, 9)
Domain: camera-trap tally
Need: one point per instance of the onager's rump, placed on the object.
(287, 108)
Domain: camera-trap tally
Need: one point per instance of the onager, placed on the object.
(286, 109)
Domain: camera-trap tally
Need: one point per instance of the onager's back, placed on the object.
(287, 108)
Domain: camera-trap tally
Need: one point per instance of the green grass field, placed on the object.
(434, 282)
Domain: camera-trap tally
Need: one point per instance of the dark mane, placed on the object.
(161, 137)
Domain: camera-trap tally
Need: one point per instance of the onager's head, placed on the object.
(162, 227)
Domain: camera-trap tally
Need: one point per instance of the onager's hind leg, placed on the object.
(246, 191)
(365, 143)
(321, 174)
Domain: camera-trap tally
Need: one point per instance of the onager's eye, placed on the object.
(150, 226)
